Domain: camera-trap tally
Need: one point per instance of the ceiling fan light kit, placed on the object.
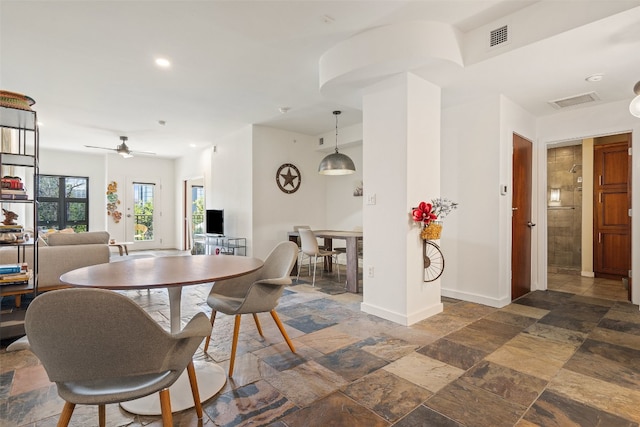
(123, 149)
(336, 163)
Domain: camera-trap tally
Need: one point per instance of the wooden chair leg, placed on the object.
(206, 343)
(191, 371)
(65, 416)
(255, 317)
(165, 406)
(234, 344)
(102, 416)
(282, 331)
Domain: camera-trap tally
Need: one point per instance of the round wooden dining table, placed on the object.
(173, 273)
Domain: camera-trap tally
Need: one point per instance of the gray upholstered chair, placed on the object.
(257, 292)
(100, 347)
(310, 249)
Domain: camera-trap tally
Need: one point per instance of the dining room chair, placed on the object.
(310, 248)
(254, 293)
(100, 347)
(306, 227)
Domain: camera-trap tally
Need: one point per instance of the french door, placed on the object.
(143, 202)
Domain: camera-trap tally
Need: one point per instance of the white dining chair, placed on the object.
(310, 248)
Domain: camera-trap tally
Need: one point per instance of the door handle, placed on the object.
(530, 224)
(514, 209)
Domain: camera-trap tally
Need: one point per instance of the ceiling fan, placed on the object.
(123, 149)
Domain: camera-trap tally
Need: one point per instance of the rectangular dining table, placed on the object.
(351, 238)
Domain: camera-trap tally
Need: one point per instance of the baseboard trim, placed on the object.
(587, 274)
(402, 319)
(479, 299)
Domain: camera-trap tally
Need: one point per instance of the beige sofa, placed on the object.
(63, 252)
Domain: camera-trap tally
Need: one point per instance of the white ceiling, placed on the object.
(90, 65)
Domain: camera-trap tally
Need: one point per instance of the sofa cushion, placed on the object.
(88, 238)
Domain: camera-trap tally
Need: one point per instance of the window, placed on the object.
(63, 202)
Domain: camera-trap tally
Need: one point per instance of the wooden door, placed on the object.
(612, 224)
(521, 225)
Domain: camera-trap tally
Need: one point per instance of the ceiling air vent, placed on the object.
(574, 100)
(499, 36)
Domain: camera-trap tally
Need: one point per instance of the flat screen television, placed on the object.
(215, 221)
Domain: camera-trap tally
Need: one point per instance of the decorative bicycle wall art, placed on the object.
(430, 216)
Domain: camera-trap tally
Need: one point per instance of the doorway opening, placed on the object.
(574, 200)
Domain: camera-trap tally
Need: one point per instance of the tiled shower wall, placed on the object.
(564, 218)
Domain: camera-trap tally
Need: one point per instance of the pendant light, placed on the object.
(336, 163)
(634, 107)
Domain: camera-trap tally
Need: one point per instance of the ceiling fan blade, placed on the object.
(148, 153)
(100, 148)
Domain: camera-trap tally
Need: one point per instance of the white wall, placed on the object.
(275, 212)
(230, 184)
(471, 175)
(343, 210)
(581, 123)
(477, 149)
(93, 166)
(240, 177)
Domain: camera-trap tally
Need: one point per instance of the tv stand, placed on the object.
(219, 245)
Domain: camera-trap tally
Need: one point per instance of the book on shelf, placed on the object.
(12, 268)
(11, 229)
(16, 279)
(14, 195)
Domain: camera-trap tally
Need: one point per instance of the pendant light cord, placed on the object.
(336, 113)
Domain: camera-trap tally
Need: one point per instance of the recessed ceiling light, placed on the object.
(163, 62)
(284, 110)
(162, 122)
(595, 77)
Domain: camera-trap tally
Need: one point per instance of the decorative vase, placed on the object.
(431, 231)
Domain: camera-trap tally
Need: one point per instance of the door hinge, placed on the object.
(630, 151)
(630, 212)
(629, 273)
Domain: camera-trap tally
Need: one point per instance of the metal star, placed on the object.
(288, 178)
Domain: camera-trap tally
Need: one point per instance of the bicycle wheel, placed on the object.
(433, 261)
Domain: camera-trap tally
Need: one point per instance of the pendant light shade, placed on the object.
(336, 163)
(634, 107)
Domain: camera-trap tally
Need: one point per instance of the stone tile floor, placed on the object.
(552, 358)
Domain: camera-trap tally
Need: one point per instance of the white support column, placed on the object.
(401, 154)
